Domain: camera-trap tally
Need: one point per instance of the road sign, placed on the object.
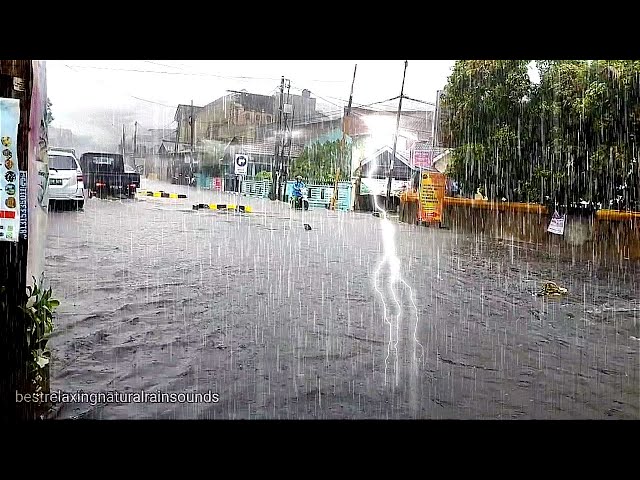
(241, 164)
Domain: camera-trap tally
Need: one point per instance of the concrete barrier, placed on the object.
(159, 194)
(223, 206)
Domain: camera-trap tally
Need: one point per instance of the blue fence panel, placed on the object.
(319, 196)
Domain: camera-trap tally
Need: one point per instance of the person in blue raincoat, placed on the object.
(298, 186)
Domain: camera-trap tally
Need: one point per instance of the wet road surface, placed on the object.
(285, 323)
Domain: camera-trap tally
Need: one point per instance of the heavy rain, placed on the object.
(322, 239)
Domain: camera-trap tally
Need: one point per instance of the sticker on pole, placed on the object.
(11, 202)
(557, 224)
(241, 164)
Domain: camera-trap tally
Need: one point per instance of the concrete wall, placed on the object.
(605, 236)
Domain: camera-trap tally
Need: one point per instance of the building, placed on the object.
(241, 114)
(372, 130)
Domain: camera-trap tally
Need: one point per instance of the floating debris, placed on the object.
(551, 289)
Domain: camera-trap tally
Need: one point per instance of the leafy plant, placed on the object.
(49, 115)
(39, 310)
(263, 175)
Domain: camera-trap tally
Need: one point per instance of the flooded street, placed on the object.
(287, 323)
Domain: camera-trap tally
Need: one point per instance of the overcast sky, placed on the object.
(97, 97)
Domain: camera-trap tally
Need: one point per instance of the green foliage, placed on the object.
(263, 175)
(39, 309)
(49, 115)
(571, 137)
(320, 162)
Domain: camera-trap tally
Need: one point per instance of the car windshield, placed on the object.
(61, 162)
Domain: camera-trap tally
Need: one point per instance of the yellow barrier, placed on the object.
(616, 215)
(500, 206)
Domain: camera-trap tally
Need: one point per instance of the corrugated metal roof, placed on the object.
(265, 147)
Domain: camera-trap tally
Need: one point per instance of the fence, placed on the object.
(256, 188)
(319, 195)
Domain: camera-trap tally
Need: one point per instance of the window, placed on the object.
(60, 162)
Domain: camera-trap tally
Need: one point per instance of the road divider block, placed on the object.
(160, 194)
(223, 206)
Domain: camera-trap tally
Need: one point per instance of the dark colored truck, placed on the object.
(106, 174)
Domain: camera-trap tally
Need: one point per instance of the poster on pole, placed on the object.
(431, 195)
(10, 198)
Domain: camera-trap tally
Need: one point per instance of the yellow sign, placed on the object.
(431, 197)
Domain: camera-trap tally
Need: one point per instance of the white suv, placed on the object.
(65, 178)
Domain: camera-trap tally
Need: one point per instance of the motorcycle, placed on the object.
(299, 203)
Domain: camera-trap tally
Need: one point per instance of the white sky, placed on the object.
(97, 97)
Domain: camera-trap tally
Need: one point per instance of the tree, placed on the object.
(49, 115)
(320, 162)
(486, 103)
(572, 137)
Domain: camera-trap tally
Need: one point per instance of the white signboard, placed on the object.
(557, 224)
(10, 198)
(241, 164)
(378, 186)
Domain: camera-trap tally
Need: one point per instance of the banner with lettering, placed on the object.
(10, 198)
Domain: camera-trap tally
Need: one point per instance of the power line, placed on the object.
(194, 74)
(128, 94)
(181, 68)
(419, 101)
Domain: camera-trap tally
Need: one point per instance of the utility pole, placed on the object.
(334, 198)
(135, 141)
(286, 143)
(124, 150)
(22, 250)
(395, 138)
(276, 156)
(192, 122)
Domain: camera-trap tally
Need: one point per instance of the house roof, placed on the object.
(255, 102)
(384, 149)
(264, 147)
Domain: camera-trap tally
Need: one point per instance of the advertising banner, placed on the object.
(432, 190)
(10, 193)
